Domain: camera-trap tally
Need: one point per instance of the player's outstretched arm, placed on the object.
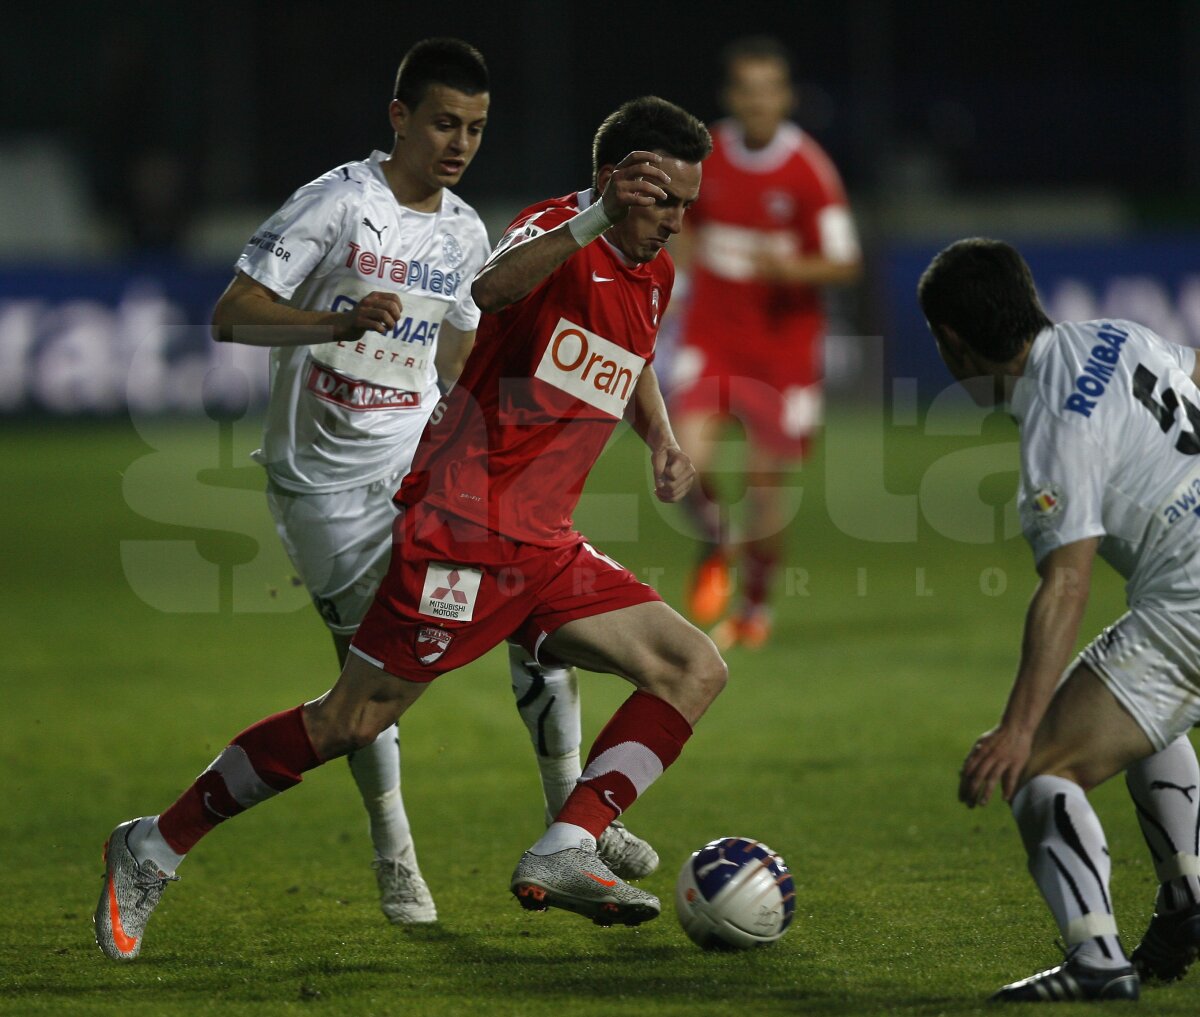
(806, 270)
(674, 473)
(250, 313)
(518, 265)
(1051, 628)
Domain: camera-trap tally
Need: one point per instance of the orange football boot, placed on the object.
(709, 589)
(751, 629)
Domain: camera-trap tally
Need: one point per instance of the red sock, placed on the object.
(644, 737)
(258, 764)
(710, 517)
(761, 561)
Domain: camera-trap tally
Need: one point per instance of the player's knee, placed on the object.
(709, 672)
(691, 679)
(1059, 765)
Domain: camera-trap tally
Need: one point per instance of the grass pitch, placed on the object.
(149, 616)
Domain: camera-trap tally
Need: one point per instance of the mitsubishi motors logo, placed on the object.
(450, 592)
(442, 592)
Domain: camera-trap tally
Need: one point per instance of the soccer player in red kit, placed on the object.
(772, 227)
(485, 549)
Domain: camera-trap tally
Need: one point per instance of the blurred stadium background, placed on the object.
(141, 143)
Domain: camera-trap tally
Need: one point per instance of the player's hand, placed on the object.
(998, 757)
(771, 266)
(674, 473)
(376, 312)
(635, 181)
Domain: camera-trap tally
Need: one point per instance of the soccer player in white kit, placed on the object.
(361, 283)
(1109, 415)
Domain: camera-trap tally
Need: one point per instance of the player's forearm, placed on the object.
(650, 418)
(514, 273)
(453, 348)
(1051, 628)
(819, 271)
(256, 321)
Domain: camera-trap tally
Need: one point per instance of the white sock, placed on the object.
(559, 776)
(1165, 788)
(146, 842)
(376, 770)
(548, 702)
(1069, 861)
(559, 836)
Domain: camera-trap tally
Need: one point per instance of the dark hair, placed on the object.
(754, 47)
(450, 62)
(649, 124)
(983, 290)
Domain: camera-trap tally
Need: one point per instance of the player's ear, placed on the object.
(949, 338)
(603, 177)
(398, 114)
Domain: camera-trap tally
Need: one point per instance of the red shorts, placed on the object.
(454, 590)
(779, 421)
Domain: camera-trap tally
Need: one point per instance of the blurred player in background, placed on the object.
(485, 547)
(361, 284)
(1109, 415)
(772, 228)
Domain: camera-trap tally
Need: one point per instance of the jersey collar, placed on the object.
(774, 154)
(375, 161)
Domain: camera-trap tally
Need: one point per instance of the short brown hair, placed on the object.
(649, 124)
(983, 290)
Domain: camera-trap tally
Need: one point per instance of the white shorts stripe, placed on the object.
(369, 659)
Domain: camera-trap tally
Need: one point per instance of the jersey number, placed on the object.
(1144, 384)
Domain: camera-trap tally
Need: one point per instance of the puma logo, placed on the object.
(1163, 785)
(377, 230)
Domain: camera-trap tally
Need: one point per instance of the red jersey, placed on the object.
(547, 381)
(787, 198)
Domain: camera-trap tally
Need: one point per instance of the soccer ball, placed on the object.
(734, 893)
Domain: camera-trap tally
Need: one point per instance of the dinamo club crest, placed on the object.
(431, 643)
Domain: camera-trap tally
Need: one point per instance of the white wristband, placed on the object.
(589, 224)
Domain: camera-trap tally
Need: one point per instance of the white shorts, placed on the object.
(1150, 660)
(339, 544)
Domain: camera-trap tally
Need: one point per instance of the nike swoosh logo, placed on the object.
(602, 882)
(124, 943)
(208, 805)
(601, 278)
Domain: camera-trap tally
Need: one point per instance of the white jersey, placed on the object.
(344, 414)
(1110, 447)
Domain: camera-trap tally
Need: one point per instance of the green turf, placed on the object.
(838, 745)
